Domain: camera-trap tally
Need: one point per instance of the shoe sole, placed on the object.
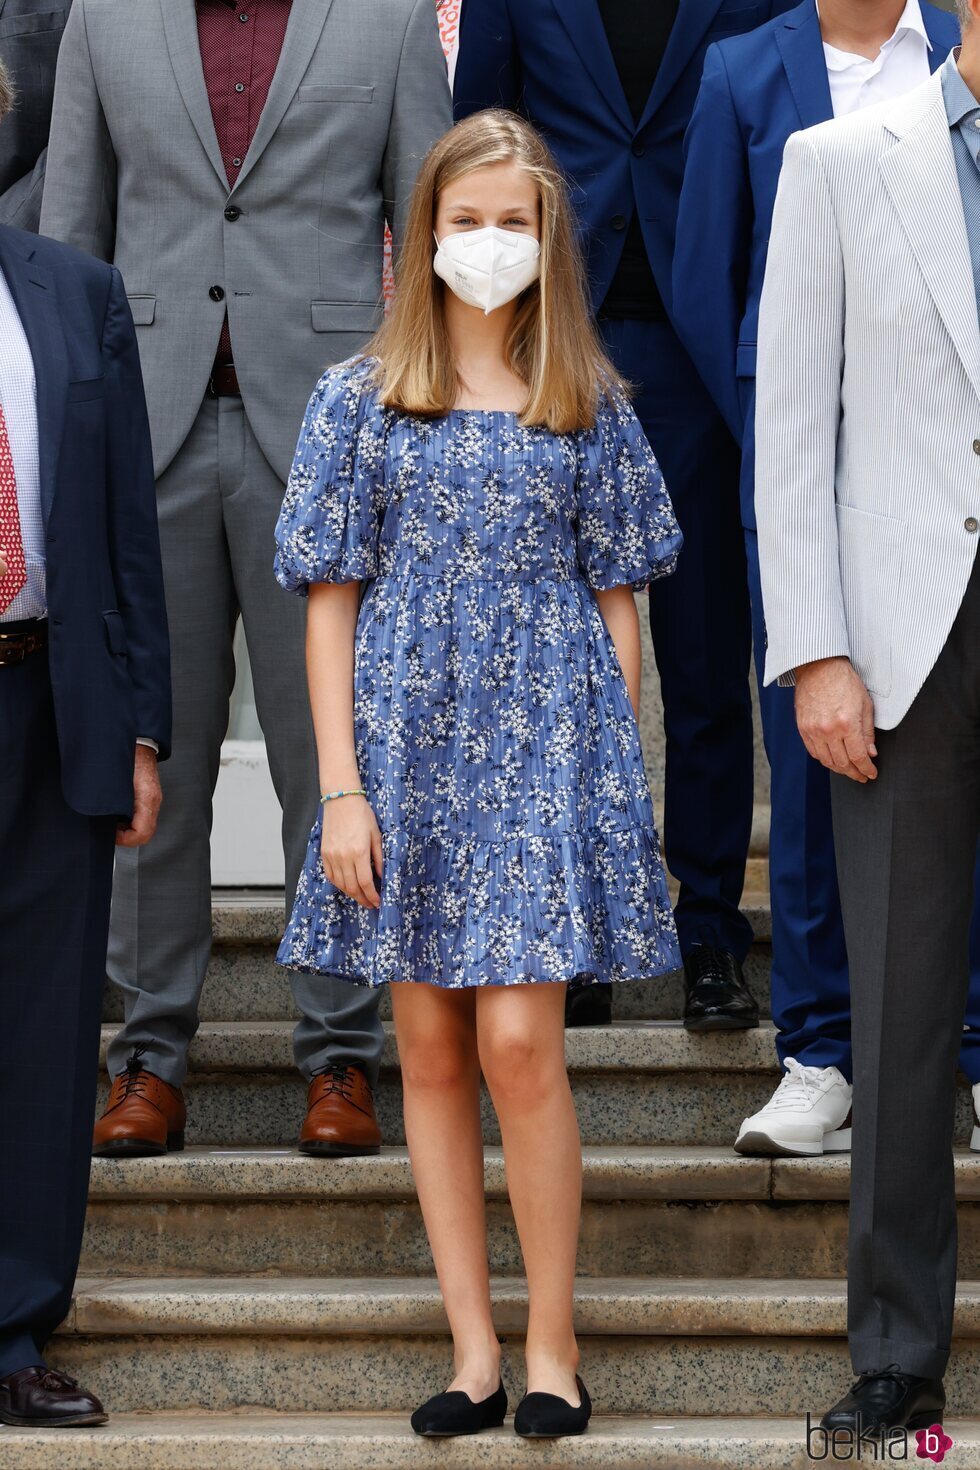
(140, 1148)
(565, 1434)
(765, 1146)
(721, 1023)
(82, 1421)
(338, 1150)
(457, 1433)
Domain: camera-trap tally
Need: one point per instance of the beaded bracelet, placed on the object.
(332, 795)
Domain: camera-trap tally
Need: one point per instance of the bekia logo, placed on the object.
(932, 1444)
(874, 1446)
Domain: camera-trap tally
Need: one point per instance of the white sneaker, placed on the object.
(805, 1115)
(975, 1140)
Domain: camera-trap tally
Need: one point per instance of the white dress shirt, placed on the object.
(18, 398)
(901, 64)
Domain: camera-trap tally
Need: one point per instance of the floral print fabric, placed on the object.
(494, 731)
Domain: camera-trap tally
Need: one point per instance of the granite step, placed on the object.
(250, 1441)
(245, 984)
(640, 1082)
(363, 1346)
(693, 1212)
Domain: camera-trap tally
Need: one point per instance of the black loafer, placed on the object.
(889, 1400)
(40, 1398)
(546, 1416)
(718, 998)
(449, 1414)
(588, 1005)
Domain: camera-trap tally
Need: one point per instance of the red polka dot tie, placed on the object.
(11, 539)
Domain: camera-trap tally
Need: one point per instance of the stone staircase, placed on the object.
(242, 1307)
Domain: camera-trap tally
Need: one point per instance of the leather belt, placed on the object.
(18, 642)
(223, 382)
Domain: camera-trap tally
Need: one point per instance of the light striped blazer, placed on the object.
(868, 408)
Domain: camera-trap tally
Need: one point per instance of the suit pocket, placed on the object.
(334, 92)
(115, 632)
(32, 25)
(346, 316)
(872, 554)
(85, 390)
(144, 309)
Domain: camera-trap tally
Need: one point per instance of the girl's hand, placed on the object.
(351, 842)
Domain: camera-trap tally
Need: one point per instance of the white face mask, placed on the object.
(487, 268)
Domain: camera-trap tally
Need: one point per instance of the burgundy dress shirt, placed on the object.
(240, 48)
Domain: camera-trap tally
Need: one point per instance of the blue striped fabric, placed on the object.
(963, 111)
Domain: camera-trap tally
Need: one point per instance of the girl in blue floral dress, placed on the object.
(472, 506)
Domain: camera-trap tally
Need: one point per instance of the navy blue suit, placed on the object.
(69, 718)
(756, 91)
(551, 60)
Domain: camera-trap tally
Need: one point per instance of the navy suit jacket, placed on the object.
(551, 61)
(757, 90)
(109, 651)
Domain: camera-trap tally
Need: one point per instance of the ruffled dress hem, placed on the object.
(531, 909)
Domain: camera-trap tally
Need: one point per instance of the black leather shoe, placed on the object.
(718, 998)
(588, 1005)
(888, 1400)
(40, 1398)
(547, 1416)
(449, 1414)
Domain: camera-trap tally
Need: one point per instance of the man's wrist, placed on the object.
(817, 665)
(148, 744)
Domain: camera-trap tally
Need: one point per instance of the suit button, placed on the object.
(233, 212)
(618, 221)
(217, 293)
(638, 150)
(976, 446)
(972, 524)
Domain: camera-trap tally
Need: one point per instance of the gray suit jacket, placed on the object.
(30, 34)
(868, 407)
(294, 250)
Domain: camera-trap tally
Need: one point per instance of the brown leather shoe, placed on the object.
(40, 1398)
(340, 1119)
(144, 1115)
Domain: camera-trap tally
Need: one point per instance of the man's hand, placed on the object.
(147, 797)
(836, 718)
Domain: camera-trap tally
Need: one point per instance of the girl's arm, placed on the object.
(618, 608)
(351, 836)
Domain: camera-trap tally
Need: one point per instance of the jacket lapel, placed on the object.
(582, 20)
(693, 19)
(919, 173)
(180, 24)
(36, 299)
(801, 49)
(306, 22)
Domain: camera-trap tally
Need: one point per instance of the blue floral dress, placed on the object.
(494, 731)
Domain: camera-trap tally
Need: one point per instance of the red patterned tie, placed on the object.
(11, 539)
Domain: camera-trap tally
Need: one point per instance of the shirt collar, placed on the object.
(909, 20)
(960, 101)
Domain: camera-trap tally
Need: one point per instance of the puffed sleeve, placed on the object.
(626, 532)
(330, 522)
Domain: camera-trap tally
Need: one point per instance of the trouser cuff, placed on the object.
(876, 1354)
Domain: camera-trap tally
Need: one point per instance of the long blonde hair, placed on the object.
(553, 346)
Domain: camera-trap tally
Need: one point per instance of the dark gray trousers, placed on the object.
(218, 504)
(906, 849)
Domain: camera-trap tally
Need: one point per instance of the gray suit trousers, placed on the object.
(218, 503)
(906, 848)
